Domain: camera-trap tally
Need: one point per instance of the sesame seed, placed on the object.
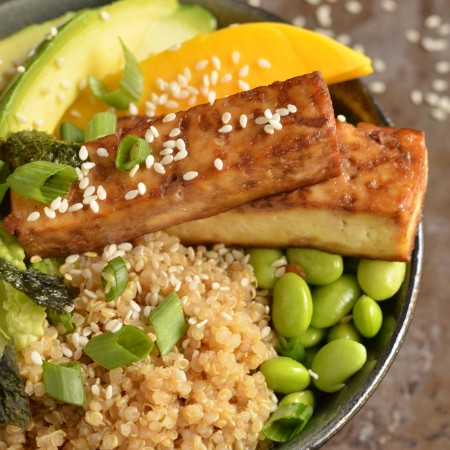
(89, 200)
(313, 374)
(205, 80)
(323, 16)
(216, 62)
(202, 323)
(130, 195)
(55, 204)
(261, 120)
(61, 96)
(88, 191)
(87, 165)
(84, 183)
(33, 216)
(94, 206)
(268, 114)
(388, 5)
(378, 87)
(243, 85)
(218, 164)
(180, 155)
(226, 78)
(171, 104)
(166, 160)
(182, 82)
(22, 118)
(243, 120)
(412, 36)
(211, 97)
(276, 117)
(142, 188)
(166, 151)
(379, 65)
(75, 113)
(149, 137)
(149, 161)
(444, 29)
(39, 122)
(108, 392)
(169, 117)
(225, 129)
(313, 2)
(292, 109)
(433, 21)
(187, 73)
(159, 168)
(282, 112)
(75, 207)
(104, 15)
(280, 272)
(434, 45)
(214, 77)
(269, 129)
(353, 7)
(442, 67)
(20, 69)
(226, 316)
(64, 206)
(133, 109)
(102, 152)
(226, 117)
(341, 118)
(265, 332)
(235, 57)
(299, 21)
(83, 153)
(275, 124)
(170, 143)
(439, 85)
(49, 213)
(438, 114)
(175, 132)
(36, 358)
(243, 72)
(82, 84)
(95, 390)
(264, 63)
(190, 175)
(134, 170)
(201, 65)
(154, 131)
(101, 193)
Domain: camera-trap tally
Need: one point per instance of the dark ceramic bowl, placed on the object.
(354, 101)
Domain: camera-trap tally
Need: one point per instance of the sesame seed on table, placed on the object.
(409, 43)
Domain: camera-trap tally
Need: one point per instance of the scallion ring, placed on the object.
(132, 150)
(114, 278)
(69, 132)
(42, 181)
(102, 124)
(111, 350)
(130, 87)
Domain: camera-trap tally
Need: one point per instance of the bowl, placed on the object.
(352, 99)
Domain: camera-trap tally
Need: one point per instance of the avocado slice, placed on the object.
(86, 45)
(15, 49)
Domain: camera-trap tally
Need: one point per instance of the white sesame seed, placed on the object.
(134, 170)
(225, 129)
(226, 117)
(218, 164)
(133, 109)
(442, 67)
(175, 132)
(87, 165)
(282, 111)
(378, 87)
(444, 29)
(61, 96)
(214, 77)
(388, 5)
(438, 114)
(166, 160)
(170, 143)
(82, 84)
(313, 374)
(149, 136)
(434, 45)
(433, 21)
(169, 117)
(187, 73)
(49, 213)
(64, 206)
(202, 323)
(243, 119)
(130, 195)
(149, 161)
(379, 65)
(439, 85)
(159, 168)
(235, 57)
(211, 97)
(154, 131)
(171, 104)
(268, 114)
(166, 151)
(353, 7)
(276, 117)
(412, 36)
(95, 390)
(102, 152)
(226, 78)
(243, 72)
(201, 65)
(108, 392)
(180, 155)
(142, 188)
(299, 21)
(88, 191)
(323, 16)
(83, 153)
(216, 62)
(261, 120)
(264, 63)
(265, 332)
(163, 99)
(341, 118)
(243, 85)
(182, 82)
(56, 203)
(190, 175)
(94, 206)
(275, 124)
(36, 358)
(226, 316)
(269, 129)
(39, 122)
(76, 207)
(104, 15)
(84, 183)
(291, 108)
(33, 216)
(89, 200)
(20, 69)
(280, 272)
(313, 2)
(22, 118)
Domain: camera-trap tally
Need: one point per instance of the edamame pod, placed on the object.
(367, 316)
(334, 301)
(337, 361)
(261, 260)
(306, 397)
(284, 375)
(380, 280)
(319, 267)
(344, 331)
(292, 306)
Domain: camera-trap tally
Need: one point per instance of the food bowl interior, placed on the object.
(350, 99)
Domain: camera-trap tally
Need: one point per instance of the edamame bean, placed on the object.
(367, 316)
(334, 301)
(312, 336)
(292, 348)
(292, 306)
(261, 260)
(337, 361)
(306, 397)
(319, 267)
(284, 375)
(380, 279)
(344, 331)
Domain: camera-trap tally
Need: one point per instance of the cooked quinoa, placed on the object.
(204, 394)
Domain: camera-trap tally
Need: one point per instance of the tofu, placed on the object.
(371, 211)
(256, 164)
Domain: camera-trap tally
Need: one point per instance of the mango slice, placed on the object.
(221, 63)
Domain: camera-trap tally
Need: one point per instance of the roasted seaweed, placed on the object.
(14, 404)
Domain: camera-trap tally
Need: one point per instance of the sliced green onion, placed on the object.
(287, 422)
(102, 124)
(132, 150)
(292, 348)
(126, 346)
(64, 382)
(42, 181)
(69, 132)
(64, 318)
(168, 323)
(114, 278)
(130, 87)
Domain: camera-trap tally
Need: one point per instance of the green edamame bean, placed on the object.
(292, 348)
(284, 375)
(319, 267)
(306, 397)
(292, 306)
(344, 331)
(261, 260)
(337, 361)
(367, 316)
(334, 301)
(312, 336)
(380, 279)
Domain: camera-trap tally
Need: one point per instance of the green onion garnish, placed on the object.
(64, 318)
(102, 124)
(292, 348)
(69, 132)
(287, 422)
(126, 346)
(42, 181)
(130, 87)
(114, 278)
(168, 323)
(132, 150)
(64, 382)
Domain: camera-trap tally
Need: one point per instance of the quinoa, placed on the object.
(204, 394)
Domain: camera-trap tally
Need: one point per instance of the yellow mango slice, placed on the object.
(221, 63)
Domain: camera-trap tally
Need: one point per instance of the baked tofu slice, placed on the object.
(371, 211)
(215, 163)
